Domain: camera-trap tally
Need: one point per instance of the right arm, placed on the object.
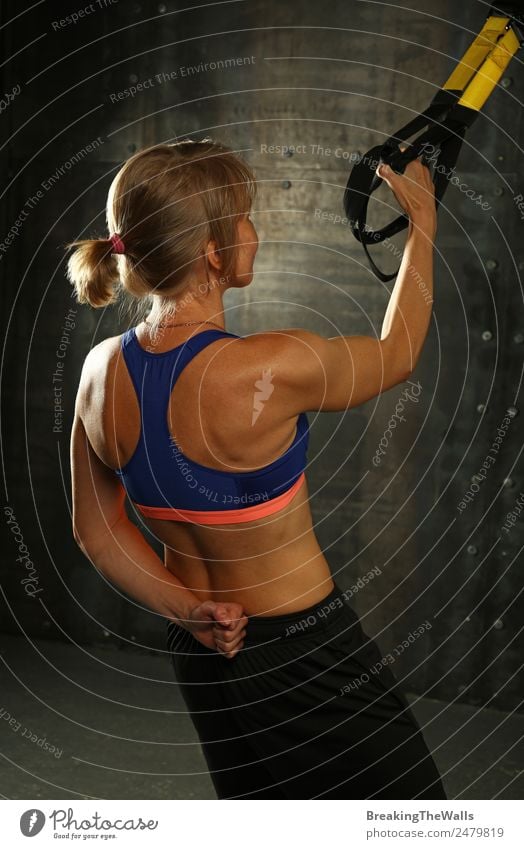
(344, 371)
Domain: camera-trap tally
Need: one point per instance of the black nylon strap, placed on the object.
(447, 124)
(511, 8)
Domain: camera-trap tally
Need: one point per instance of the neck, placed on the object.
(195, 322)
(197, 305)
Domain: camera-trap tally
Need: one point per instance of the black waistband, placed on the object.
(301, 622)
(286, 626)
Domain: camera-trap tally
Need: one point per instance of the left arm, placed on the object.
(112, 542)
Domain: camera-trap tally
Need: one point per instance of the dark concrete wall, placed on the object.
(330, 80)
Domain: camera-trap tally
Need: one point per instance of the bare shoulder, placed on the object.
(101, 355)
(327, 373)
(290, 352)
(292, 359)
(104, 350)
(98, 365)
(286, 345)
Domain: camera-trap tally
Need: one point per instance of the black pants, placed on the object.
(306, 710)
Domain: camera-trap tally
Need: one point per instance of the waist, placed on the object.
(314, 617)
(322, 616)
(287, 576)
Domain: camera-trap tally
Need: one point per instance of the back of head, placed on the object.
(166, 203)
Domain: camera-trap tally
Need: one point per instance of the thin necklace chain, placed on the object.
(184, 323)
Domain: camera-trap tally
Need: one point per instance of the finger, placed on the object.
(235, 624)
(237, 621)
(226, 639)
(223, 645)
(221, 616)
(232, 652)
(228, 642)
(226, 648)
(235, 651)
(419, 173)
(392, 179)
(384, 171)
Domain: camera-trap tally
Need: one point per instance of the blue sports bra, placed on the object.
(164, 483)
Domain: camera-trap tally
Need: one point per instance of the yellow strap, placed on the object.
(490, 73)
(476, 53)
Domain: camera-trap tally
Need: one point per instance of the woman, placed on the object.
(206, 432)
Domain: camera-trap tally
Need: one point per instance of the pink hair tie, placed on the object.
(118, 245)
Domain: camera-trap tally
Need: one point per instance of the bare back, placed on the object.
(270, 565)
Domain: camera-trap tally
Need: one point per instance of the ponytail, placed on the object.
(92, 269)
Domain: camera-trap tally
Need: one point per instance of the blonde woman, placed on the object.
(206, 432)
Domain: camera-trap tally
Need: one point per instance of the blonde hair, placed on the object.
(166, 202)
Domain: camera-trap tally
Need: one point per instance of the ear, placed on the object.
(213, 256)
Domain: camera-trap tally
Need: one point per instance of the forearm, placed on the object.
(123, 555)
(408, 313)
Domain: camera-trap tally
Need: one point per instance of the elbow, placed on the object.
(398, 371)
(402, 368)
(405, 374)
(95, 542)
(90, 549)
(402, 359)
(80, 539)
(78, 535)
(83, 540)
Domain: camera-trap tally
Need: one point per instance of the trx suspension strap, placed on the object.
(452, 110)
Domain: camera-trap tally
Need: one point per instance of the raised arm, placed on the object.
(344, 371)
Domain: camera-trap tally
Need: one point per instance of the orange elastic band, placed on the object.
(224, 517)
